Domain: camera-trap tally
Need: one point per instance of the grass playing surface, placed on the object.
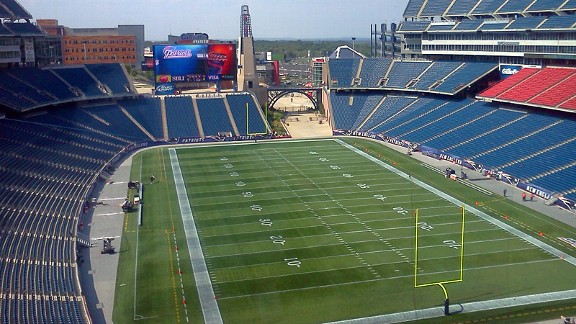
(309, 232)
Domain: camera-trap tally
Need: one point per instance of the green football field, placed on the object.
(325, 230)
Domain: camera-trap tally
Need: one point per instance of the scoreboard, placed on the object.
(175, 65)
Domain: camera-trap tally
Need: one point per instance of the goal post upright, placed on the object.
(440, 283)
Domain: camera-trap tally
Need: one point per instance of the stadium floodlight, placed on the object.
(418, 225)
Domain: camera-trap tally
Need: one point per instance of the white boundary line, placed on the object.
(208, 303)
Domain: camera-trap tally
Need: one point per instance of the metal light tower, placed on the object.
(245, 22)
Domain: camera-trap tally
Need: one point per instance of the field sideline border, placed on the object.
(208, 302)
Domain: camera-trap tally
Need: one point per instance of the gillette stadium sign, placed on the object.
(508, 70)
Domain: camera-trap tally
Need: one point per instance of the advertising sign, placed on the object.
(175, 64)
(221, 62)
(508, 70)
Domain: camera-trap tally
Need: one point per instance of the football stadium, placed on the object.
(443, 190)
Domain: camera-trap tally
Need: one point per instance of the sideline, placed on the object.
(210, 309)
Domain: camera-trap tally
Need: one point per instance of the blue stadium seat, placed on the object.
(16, 9)
(437, 71)
(526, 23)
(180, 117)
(516, 6)
(487, 7)
(112, 75)
(344, 114)
(465, 75)
(147, 112)
(435, 8)
(371, 102)
(342, 71)
(23, 28)
(373, 69)
(255, 123)
(471, 24)
(390, 106)
(402, 72)
(413, 8)
(414, 26)
(80, 79)
(569, 5)
(545, 5)
(559, 22)
(462, 7)
(214, 116)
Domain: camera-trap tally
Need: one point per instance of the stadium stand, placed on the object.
(545, 5)
(23, 29)
(255, 123)
(147, 112)
(553, 22)
(214, 116)
(342, 71)
(390, 106)
(461, 7)
(435, 8)
(551, 87)
(112, 75)
(81, 79)
(180, 117)
(373, 69)
(402, 72)
(515, 6)
(413, 8)
(524, 23)
(45, 80)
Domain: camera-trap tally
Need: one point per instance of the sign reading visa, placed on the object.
(508, 70)
(221, 63)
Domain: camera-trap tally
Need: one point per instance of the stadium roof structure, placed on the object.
(418, 9)
(11, 9)
(345, 52)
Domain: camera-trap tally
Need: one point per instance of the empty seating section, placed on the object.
(414, 109)
(530, 145)
(413, 8)
(425, 120)
(371, 102)
(147, 113)
(486, 124)
(559, 22)
(486, 7)
(488, 25)
(345, 114)
(16, 9)
(462, 7)
(373, 69)
(111, 119)
(112, 75)
(13, 101)
(255, 122)
(472, 24)
(435, 8)
(463, 76)
(23, 28)
(180, 117)
(545, 5)
(414, 26)
(561, 180)
(390, 106)
(443, 26)
(15, 86)
(214, 116)
(45, 80)
(571, 4)
(515, 6)
(46, 173)
(466, 112)
(539, 82)
(81, 79)
(570, 104)
(400, 123)
(507, 83)
(342, 71)
(557, 94)
(476, 148)
(403, 72)
(4, 30)
(526, 23)
(543, 162)
(437, 71)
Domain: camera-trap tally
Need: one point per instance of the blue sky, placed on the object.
(283, 19)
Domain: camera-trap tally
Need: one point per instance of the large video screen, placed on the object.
(175, 64)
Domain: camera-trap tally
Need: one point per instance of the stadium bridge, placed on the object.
(314, 94)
